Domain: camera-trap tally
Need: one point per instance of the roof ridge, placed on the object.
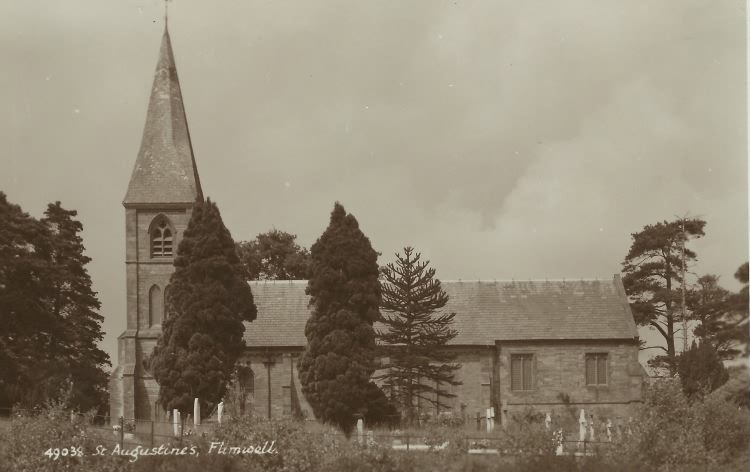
(572, 279)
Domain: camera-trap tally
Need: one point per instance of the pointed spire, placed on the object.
(165, 170)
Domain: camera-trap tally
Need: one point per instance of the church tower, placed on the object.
(163, 187)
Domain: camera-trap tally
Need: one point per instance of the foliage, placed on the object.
(72, 299)
(274, 256)
(668, 432)
(416, 335)
(737, 322)
(713, 307)
(652, 278)
(50, 325)
(716, 440)
(201, 340)
(701, 370)
(337, 363)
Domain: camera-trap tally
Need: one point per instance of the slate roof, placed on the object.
(165, 170)
(485, 311)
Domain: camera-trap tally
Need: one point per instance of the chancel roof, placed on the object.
(486, 311)
(165, 170)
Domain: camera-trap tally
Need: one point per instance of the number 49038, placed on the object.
(55, 453)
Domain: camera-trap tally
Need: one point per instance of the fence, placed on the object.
(148, 433)
(126, 432)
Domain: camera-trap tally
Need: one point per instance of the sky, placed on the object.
(502, 140)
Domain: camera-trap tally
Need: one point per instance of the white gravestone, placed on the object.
(176, 420)
(609, 430)
(559, 439)
(547, 421)
(196, 413)
(361, 431)
(591, 430)
(221, 410)
(582, 427)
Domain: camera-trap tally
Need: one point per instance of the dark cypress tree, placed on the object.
(339, 358)
(416, 336)
(701, 370)
(208, 300)
(71, 299)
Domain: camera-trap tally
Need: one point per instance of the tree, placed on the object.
(701, 370)
(737, 320)
(416, 336)
(274, 256)
(339, 358)
(27, 328)
(208, 300)
(50, 325)
(72, 300)
(652, 279)
(713, 307)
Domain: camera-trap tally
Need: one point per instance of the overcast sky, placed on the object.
(523, 139)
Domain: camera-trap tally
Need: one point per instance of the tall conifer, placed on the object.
(339, 358)
(71, 298)
(416, 334)
(202, 336)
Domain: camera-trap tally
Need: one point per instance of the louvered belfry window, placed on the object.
(520, 372)
(596, 369)
(161, 240)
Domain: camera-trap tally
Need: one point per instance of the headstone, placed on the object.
(196, 413)
(176, 422)
(489, 420)
(221, 410)
(361, 431)
(582, 427)
(559, 438)
(167, 416)
(609, 430)
(548, 421)
(619, 427)
(591, 430)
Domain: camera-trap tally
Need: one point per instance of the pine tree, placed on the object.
(202, 338)
(416, 336)
(339, 358)
(71, 299)
(721, 322)
(652, 279)
(701, 370)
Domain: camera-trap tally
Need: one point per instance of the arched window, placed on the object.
(246, 380)
(155, 306)
(167, 308)
(161, 239)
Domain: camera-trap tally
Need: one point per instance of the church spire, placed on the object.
(165, 170)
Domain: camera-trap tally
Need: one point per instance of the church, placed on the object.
(540, 343)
